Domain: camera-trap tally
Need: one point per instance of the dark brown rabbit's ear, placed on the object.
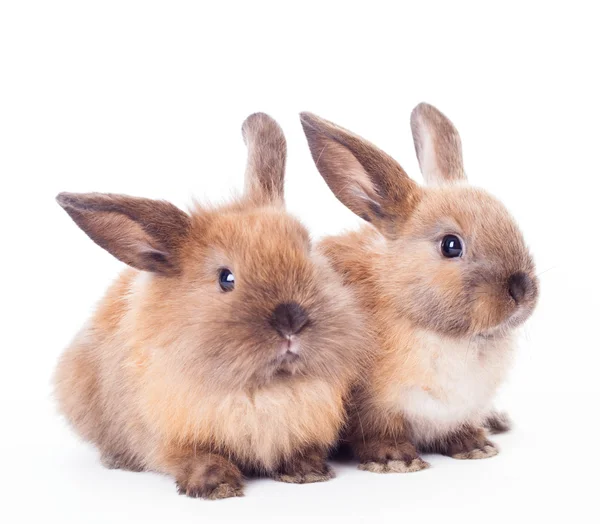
(365, 179)
(438, 146)
(146, 234)
(267, 150)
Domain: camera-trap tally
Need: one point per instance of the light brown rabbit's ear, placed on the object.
(365, 179)
(146, 234)
(267, 152)
(438, 146)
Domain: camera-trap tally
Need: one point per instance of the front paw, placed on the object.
(390, 457)
(468, 444)
(481, 451)
(497, 422)
(395, 466)
(297, 477)
(211, 479)
(304, 469)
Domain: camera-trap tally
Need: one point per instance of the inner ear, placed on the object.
(438, 146)
(356, 189)
(145, 234)
(364, 178)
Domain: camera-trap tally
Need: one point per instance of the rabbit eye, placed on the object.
(452, 246)
(226, 279)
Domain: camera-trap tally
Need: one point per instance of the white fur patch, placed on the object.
(462, 378)
(139, 284)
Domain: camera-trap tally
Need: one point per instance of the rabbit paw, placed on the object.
(487, 450)
(497, 422)
(211, 477)
(395, 466)
(468, 444)
(390, 457)
(306, 468)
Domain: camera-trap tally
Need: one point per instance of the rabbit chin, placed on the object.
(507, 326)
(287, 362)
(499, 331)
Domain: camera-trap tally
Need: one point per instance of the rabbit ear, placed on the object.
(146, 234)
(438, 146)
(267, 151)
(364, 178)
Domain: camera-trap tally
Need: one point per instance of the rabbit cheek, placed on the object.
(438, 300)
(491, 305)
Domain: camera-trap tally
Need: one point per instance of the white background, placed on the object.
(147, 98)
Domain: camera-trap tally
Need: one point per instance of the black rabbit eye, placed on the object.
(452, 246)
(226, 280)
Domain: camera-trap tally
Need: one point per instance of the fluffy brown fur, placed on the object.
(175, 375)
(444, 326)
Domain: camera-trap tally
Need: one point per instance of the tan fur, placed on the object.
(444, 326)
(171, 370)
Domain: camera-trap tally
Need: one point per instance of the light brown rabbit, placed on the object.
(229, 346)
(446, 278)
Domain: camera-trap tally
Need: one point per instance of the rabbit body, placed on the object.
(445, 278)
(228, 348)
(117, 385)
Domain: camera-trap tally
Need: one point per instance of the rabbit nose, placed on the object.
(289, 319)
(519, 285)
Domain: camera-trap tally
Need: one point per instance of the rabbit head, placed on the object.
(453, 259)
(234, 294)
